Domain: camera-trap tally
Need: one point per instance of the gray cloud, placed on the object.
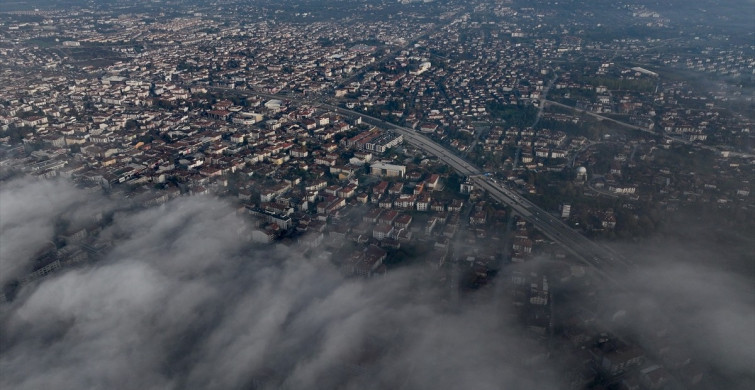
(182, 301)
(28, 211)
(684, 303)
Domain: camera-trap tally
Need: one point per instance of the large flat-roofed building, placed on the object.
(384, 169)
(383, 142)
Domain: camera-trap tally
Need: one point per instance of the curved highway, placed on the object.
(601, 258)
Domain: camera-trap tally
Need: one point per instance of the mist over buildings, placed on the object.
(684, 310)
(30, 211)
(182, 300)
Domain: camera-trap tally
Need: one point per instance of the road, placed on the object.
(598, 116)
(544, 97)
(597, 256)
(645, 129)
(602, 259)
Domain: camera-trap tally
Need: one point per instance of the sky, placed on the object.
(182, 301)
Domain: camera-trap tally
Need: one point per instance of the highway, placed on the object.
(599, 257)
(602, 259)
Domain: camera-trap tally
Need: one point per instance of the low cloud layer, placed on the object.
(682, 304)
(29, 211)
(182, 301)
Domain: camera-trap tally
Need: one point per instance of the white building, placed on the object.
(384, 169)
